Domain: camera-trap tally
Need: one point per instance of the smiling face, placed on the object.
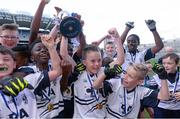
(39, 53)
(110, 49)
(9, 38)
(132, 43)
(7, 64)
(93, 61)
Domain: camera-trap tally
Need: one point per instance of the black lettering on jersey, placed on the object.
(91, 91)
(13, 115)
(123, 108)
(22, 114)
(52, 92)
(46, 93)
(129, 108)
(49, 93)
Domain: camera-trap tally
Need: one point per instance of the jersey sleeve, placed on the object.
(39, 80)
(149, 97)
(27, 70)
(148, 55)
(115, 83)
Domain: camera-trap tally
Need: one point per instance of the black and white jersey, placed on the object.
(172, 103)
(88, 102)
(138, 57)
(21, 106)
(124, 104)
(48, 95)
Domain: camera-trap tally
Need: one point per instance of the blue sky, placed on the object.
(100, 15)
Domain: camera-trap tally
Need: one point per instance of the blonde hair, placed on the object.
(141, 69)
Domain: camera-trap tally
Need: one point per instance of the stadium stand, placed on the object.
(24, 21)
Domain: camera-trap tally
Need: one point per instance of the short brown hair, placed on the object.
(6, 51)
(9, 27)
(89, 48)
(173, 56)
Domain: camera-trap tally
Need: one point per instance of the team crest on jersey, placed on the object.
(91, 91)
(24, 98)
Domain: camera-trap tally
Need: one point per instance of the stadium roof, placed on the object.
(24, 20)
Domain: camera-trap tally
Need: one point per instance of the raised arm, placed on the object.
(36, 22)
(164, 91)
(54, 32)
(162, 74)
(81, 37)
(66, 70)
(55, 59)
(120, 51)
(129, 26)
(107, 74)
(158, 42)
(82, 40)
(64, 51)
(98, 42)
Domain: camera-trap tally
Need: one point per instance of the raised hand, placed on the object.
(114, 33)
(48, 41)
(158, 69)
(130, 24)
(46, 1)
(151, 24)
(112, 72)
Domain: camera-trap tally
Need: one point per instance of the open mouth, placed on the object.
(2, 69)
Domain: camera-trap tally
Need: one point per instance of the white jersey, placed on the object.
(88, 102)
(172, 103)
(49, 97)
(130, 58)
(123, 104)
(24, 105)
(21, 106)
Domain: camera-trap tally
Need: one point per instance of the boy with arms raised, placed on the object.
(23, 105)
(88, 102)
(127, 95)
